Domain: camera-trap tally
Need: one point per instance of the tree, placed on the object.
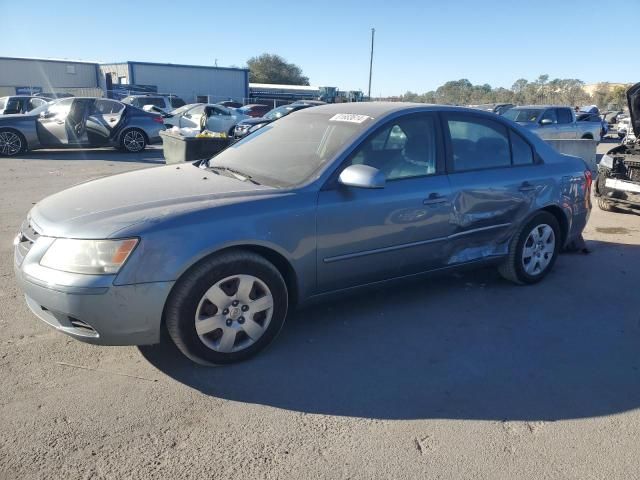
(270, 68)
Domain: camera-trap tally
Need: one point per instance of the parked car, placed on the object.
(553, 122)
(214, 118)
(250, 125)
(230, 104)
(595, 118)
(164, 103)
(20, 104)
(79, 122)
(332, 198)
(254, 110)
(618, 180)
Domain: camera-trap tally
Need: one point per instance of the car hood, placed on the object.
(101, 208)
(633, 100)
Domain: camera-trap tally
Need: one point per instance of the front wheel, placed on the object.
(11, 143)
(133, 141)
(227, 308)
(533, 250)
(605, 205)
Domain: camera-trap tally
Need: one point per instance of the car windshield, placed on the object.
(527, 115)
(292, 150)
(279, 112)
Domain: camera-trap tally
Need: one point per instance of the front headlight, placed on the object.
(95, 257)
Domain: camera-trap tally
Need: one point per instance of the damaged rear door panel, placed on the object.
(496, 182)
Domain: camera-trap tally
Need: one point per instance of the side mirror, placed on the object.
(362, 176)
(546, 121)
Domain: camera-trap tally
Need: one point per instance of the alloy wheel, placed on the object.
(234, 313)
(10, 143)
(133, 141)
(538, 249)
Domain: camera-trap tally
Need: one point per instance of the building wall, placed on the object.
(47, 74)
(189, 82)
(119, 72)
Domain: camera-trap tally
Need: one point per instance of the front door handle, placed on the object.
(434, 199)
(526, 187)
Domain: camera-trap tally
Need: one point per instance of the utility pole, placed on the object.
(373, 34)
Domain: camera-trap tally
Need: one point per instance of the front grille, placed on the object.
(26, 238)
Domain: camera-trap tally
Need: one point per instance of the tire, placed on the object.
(133, 140)
(606, 205)
(205, 312)
(12, 143)
(518, 268)
(587, 136)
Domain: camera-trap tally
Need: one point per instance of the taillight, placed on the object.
(588, 179)
(157, 119)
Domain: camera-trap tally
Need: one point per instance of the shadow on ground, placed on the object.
(462, 346)
(149, 155)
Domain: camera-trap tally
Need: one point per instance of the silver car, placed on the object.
(79, 122)
(553, 122)
(329, 199)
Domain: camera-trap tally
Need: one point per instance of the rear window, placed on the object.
(520, 150)
(155, 101)
(478, 143)
(176, 102)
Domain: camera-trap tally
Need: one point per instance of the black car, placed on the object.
(618, 181)
(250, 125)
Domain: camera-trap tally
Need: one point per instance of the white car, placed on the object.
(205, 116)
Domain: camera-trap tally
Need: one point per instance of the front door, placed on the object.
(549, 130)
(103, 119)
(367, 235)
(52, 124)
(219, 119)
(566, 126)
(192, 117)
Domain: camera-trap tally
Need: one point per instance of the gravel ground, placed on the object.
(461, 376)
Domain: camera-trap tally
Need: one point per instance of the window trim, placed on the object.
(450, 170)
(332, 182)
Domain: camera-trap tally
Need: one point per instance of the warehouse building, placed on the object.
(34, 75)
(191, 82)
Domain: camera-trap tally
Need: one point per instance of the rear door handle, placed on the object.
(434, 199)
(526, 187)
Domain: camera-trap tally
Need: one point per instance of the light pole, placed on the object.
(373, 34)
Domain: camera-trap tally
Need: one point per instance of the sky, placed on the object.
(419, 45)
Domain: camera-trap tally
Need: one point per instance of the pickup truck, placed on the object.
(552, 122)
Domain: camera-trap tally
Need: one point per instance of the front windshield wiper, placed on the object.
(235, 173)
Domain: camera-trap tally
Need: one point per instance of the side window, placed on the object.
(176, 102)
(61, 108)
(35, 103)
(550, 114)
(564, 115)
(520, 150)
(219, 111)
(106, 107)
(478, 143)
(405, 148)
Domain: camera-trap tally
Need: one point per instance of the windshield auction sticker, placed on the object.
(349, 117)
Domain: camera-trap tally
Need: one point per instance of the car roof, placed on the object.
(379, 109)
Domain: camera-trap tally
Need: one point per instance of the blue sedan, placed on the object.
(325, 200)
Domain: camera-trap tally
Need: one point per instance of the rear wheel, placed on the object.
(133, 140)
(227, 308)
(533, 250)
(11, 143)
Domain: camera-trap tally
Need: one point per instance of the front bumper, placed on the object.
(89, 307)
(618, 190)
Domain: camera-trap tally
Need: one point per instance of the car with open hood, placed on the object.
(327, 200)
(618, 180)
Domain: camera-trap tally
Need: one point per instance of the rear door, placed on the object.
(566, 128)
(104, 118)
(51, 125)
(494, 180)
(367, 235)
